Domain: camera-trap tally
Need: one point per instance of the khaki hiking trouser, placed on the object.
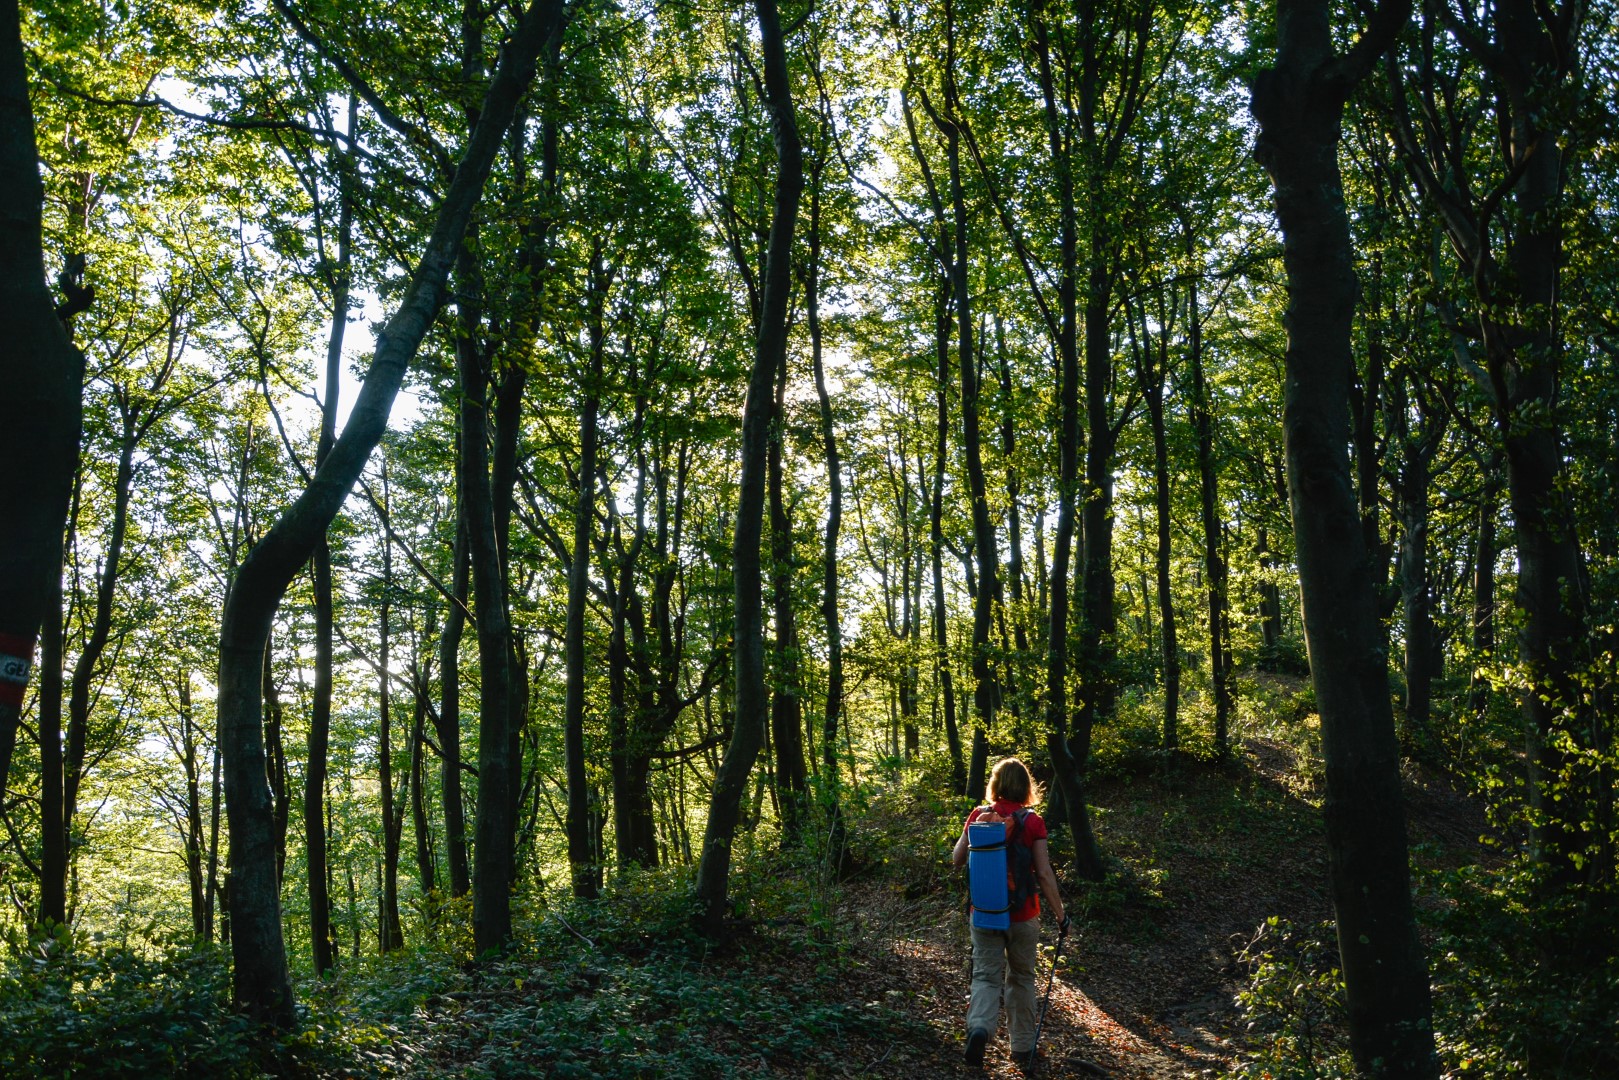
(1005, 956)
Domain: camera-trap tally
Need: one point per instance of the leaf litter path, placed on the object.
(926, 977)
(1147, 981)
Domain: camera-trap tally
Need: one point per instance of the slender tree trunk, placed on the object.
(95, 645)
(449, 714)
(952, 730)
(786, 708)
(580, 859)
(212, 882)
(1299, 106)
(426, 870)
(1166, 602)
(986, 693)
(1014, 526)
(1270, 595)
(1098, 620)
(1214, 564)
(1068, 767)
(320, 720)
(837, 855)
(320, 712)
(389, 931)
(53, 820)
(276, 763)
(1484, 556)
(492, 876)
(193, 810)
(1417, 447)
(260, 978)
(492, 871)
(747, 733)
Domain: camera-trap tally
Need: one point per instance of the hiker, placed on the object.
(1009, 955)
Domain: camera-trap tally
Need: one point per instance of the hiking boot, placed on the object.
(976, 1041)
(1023, 1059)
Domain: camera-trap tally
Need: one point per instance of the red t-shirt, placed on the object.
(1033, 829)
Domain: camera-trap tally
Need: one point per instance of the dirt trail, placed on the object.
(1147, 982)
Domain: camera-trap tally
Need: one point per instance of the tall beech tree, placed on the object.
(951, 122)
(321, 936)
(770, 347)
(831, 612)
(260, 979)
(1299, 105)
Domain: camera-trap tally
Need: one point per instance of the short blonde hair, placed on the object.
(1011, 781)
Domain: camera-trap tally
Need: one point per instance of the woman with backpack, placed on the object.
(1007, 957)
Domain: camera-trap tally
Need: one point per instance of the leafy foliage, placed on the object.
(99, 1008)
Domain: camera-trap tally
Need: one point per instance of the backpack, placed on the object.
(1020, 880)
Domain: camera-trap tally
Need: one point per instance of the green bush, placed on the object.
(1294, 1004)
(1523, 985)
(77, 1008)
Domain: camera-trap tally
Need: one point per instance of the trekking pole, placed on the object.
(1046, 1004)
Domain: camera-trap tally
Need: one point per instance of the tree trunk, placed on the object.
(320, 711)
(448, 722)
(1098, 620)
(211, 885)
(84, 672)
(426, 870)
(1299, 106)
(837, 855)
(952, 730)
(276, 763)
(496, 808)
(260, 978)
(1214, 564)
(193, 811)
(580, 858)
(1020, 692)
(41, 371)
(320, 721)
(1419, 427)
(53, 820)
(1166, 604)
(390, 935)
(986, 692)
(786, 708)
(1069, 769)
(747, 733)
(1483, 623)
(1270, 596)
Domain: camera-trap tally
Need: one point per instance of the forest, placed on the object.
(526, 526)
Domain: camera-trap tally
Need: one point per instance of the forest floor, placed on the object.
(868, 979)
(1147, 984)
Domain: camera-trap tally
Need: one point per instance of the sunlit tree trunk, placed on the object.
(260, 977)
(747, 733)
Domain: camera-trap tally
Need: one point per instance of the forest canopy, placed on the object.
(486, 480)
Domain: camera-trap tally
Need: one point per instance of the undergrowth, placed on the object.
(622, 987)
